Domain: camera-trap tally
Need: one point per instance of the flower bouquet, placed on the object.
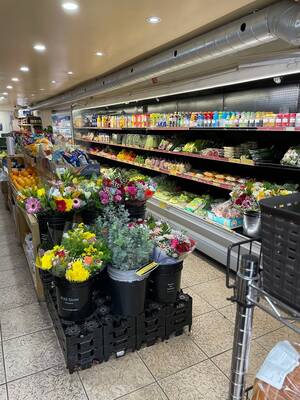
(171, 248)
(112, 191)
(79, 258)
(136, 193)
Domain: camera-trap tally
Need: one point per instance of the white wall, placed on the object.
(6, 121)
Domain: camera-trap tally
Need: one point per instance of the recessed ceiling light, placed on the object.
(9, 87)
(5, 93)
(2, 98)
(70, 6)
(70, 73)
(99, 53)
(15, 79)
(153, 20)
(32, 95)
(42, 89)
(39, 47)
(53, 81)
(24, 68)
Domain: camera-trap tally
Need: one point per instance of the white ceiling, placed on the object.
(118, 28)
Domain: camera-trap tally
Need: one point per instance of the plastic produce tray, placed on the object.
(151, 325)
(103, 334)
(179, 315)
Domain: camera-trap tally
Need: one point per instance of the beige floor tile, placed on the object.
(15, 296)
(31, 353)
(151, 392)
(200, 306)
(3, 394)
(14, 277)
(2, 373)
(53, 384)
(263, 323)
(11, 260)
(201, 382)
(212, 333)
(257, 357)
(214, 292)
(170, 356)
(24, 320)
(271, 339)
(197, 270)
(116, 377)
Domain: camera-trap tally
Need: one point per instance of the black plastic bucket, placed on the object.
(74, 300)
(164, 283)
(89, 215)
(46, 278)
(128, 298)
(136, 209)
(52, 227)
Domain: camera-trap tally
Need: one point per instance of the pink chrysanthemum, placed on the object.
(32, 205)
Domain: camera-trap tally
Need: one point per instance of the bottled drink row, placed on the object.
(210, 119)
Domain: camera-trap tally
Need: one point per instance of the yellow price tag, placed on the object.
(147, 268)
(162, 204)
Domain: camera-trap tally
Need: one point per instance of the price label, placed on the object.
(162, 204)
(147, 268)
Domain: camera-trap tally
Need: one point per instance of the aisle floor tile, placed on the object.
(31, 353)
(196, 270)
(15, 296)
(203, 381)
(212, 333)
(263, 323)
(257, 356)
(214, 292)
(170, 356)
(3, 394)
(15, 277)
(52, 384)
(200, 306)
(24, 320)
(151, 392)
(269, 340)
(116, 377)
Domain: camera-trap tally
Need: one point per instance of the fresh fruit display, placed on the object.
(43, 146)
(24, 178)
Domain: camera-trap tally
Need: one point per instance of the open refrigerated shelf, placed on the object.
(226, 186)
(158, 128)
(212, 239)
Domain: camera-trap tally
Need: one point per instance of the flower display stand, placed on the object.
(104, 334)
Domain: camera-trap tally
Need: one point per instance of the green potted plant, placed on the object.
(74, 264)
(131, 248)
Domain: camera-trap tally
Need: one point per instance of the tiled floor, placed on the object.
(188, 367)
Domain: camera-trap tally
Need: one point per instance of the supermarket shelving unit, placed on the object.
(212, 239)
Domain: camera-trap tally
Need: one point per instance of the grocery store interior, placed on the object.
(150, 200)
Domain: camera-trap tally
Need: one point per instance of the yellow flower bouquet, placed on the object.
(80, 256)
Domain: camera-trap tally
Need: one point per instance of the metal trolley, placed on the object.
(248, 294)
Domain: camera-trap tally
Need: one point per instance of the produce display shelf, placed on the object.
(226, 186)
(251, 129)
(211, 238)
(174, 153)
(249, 163)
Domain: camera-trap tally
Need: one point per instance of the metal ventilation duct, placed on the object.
(279, 21)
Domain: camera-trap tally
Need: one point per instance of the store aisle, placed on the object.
(194, 366)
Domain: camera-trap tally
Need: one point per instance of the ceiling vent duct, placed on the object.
(278, 21)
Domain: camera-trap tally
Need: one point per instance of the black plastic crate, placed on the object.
(151, 325)
(179, 315)
(82, 344)
(281, 248)
(119, 334)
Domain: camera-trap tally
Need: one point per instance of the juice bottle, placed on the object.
(98, 121)
(215, 120)
(285, 119)
(292, 119)
(278, 122)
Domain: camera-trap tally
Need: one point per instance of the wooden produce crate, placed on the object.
(27, 223)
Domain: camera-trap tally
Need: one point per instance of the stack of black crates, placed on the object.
(103, 334)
